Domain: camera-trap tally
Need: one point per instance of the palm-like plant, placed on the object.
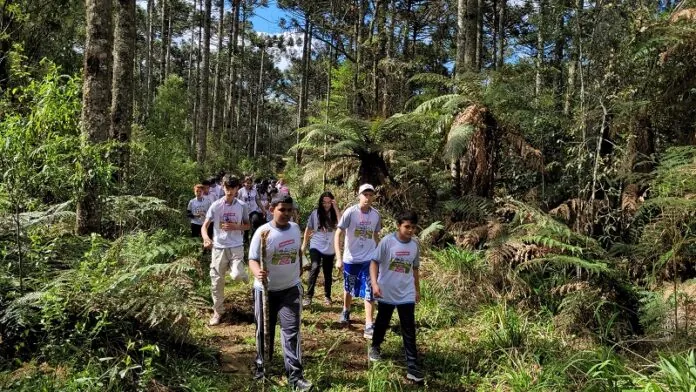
(352, 144)
(471, 137)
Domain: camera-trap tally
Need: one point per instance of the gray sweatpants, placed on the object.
(285, 305)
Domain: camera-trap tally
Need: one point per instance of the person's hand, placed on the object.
(339, 264)
(229, 226)
(377, 292)
(261, 274)
(207, 243)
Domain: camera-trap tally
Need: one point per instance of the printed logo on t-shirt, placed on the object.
(284, 257)
(364, 230)
(401, 266)
(228, 217)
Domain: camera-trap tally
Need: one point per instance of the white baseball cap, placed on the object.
(365, 187)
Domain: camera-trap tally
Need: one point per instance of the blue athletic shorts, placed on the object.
(356, 280)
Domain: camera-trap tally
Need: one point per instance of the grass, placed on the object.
(466, 343)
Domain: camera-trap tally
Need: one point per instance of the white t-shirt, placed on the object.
(396, 261)
(322, 239)
(221, 212)
(198, 207)
(282, 255)
(359, 240)
(249, 197)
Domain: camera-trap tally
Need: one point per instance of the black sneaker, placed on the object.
(302, 385)
(345, 317)
(415, 375)
(374, 354)
(258, 374)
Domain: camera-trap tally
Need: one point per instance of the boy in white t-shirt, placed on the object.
(394, 274)
(361, 224)
(284, 269)
(230, 217)
(196, 210)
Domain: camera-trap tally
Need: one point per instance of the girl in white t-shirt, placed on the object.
(321, 226)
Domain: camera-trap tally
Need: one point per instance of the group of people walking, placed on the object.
(383, 271)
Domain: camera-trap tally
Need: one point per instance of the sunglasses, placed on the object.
(283, 209)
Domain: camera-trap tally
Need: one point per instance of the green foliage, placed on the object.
(161, 164)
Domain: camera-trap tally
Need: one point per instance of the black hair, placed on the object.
(230, 181)
(327, 219)
(212, 180)
(206, 183)
(281, 200)
(407, 216)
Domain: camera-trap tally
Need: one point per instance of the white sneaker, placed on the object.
(215, 320)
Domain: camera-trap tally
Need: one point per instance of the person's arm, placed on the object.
(189, 210)
(255, 255)
(207, 242)
(338, 237)
(258, 203)
(245, 221)
(307, 234)
(374, 273)
(416, 282)
(378, 228)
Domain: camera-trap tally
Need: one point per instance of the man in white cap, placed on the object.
(361, 225)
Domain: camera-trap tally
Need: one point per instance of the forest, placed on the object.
(548, 146)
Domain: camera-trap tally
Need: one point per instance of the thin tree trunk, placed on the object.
(239, 90)
(479, 35)
(6, 19)
(386, 100)
(150, 43)
(165, 38)
(205, 87)
(574, 58)
(326, 117)
(168, 56)
(494, 35)
(540, 49)
(304, 88)
(259, 100)
(358, 31)
(96, 101)
(122, 98)
(502, 5)
(381, 21)
(197, 101)
(471, 29)
(461, 38)
(191, 85)
(232, 70)
(217, 118)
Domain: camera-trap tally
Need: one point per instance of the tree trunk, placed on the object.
(217, 118)
(148, 68)
(232, 80)
(192, 84)
(122, 94)
(479, 35)
(574, 58)
(242, 55)
(164, 24)
(96, 101)
(205, 87)
(304, 88)
(381, 21)
(461, 38)
(386, 97)
(259, 100)
(358, 31)
(540, 49)
(471, 31)
(197, 100)
(5, 45)
(502, 5)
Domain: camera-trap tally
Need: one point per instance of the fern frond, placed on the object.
(426, 233)
(563, 261)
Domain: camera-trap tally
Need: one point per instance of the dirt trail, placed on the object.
(325, 343)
